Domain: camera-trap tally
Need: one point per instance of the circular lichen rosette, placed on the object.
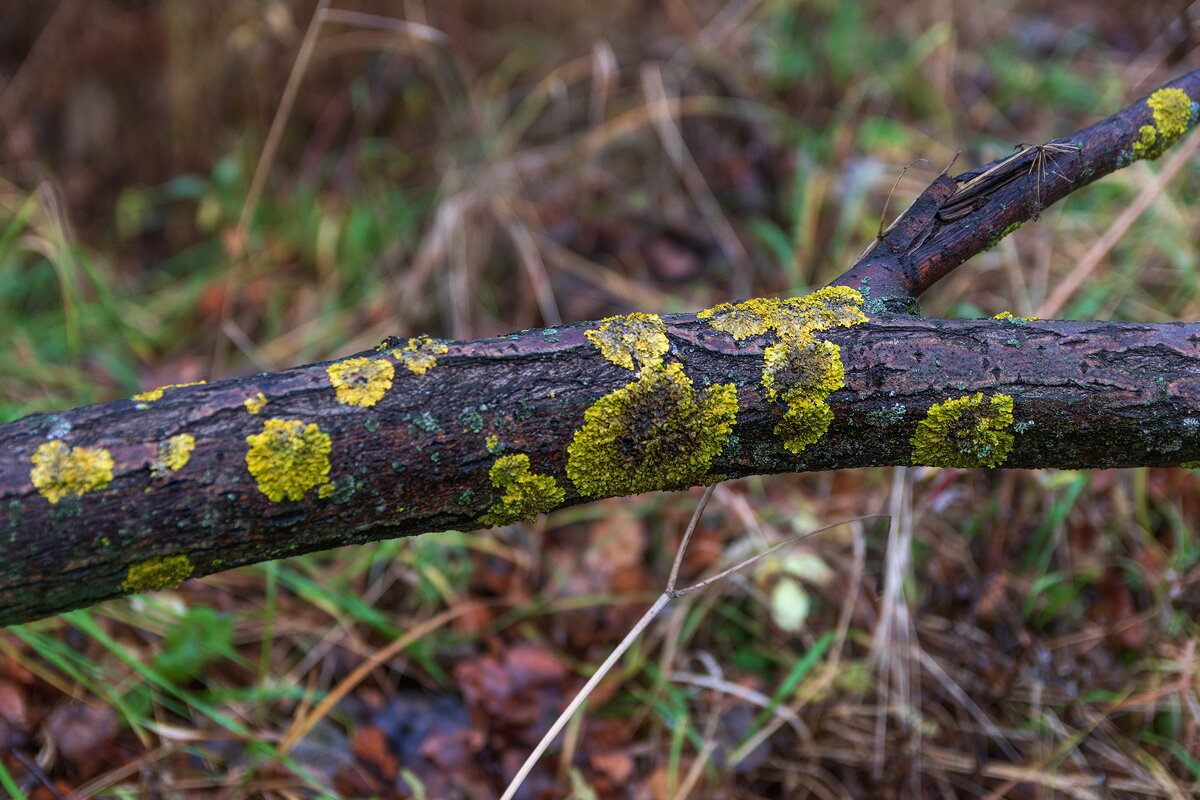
(658, 432)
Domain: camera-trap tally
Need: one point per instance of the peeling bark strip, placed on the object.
(425, 435)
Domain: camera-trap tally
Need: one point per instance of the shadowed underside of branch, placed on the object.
(424, 435)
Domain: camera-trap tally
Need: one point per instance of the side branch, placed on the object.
(956, 218)
(423, 436)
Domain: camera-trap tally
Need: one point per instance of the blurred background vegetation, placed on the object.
(171, 212)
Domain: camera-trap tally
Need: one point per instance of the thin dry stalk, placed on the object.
(669, 594)
(303, 724)
(693, 179)
(893, 636)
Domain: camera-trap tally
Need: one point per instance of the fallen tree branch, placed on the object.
(425, 435)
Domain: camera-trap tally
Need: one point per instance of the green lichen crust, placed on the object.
(361, 381)
(60, 471)
(151, 575)
(657, 432)
(632, 341)
(1174, 114)
(288, 458)
(969, 431)
(174, 453)
(526, 494)
(420, 354)
(831, 307)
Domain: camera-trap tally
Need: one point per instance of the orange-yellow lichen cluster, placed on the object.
(830, 307)
(420, 354)
(632, 341)
(800, 369)
(60, 471)
(288, 458)
(175, 452)
(1173, 113)
(256, 403)
(526, 494)
(151, 395)
(969, 431)
(657, 432)
(153, 574)
(361, 381)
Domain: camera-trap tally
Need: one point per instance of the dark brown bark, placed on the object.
(1083, 395)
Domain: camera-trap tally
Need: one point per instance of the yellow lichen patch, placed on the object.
(1009, 316)
(420, 354)
(632, 341)
(175, 452)
(156, 394)
(1174, 113)
(288, 458)
(526, 494)
(325, 490)
(830, 307)
(969, 431)
(255, 404)
(60, 471)
(361, 381)
(743, 320)
(164, 572)
(493, 443)
(657, 432)
(802, 364)
(806, 420)
(802, 371)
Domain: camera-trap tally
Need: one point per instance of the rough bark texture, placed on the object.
(424, 435)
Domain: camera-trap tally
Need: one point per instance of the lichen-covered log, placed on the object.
(424, 435)
(427, 435)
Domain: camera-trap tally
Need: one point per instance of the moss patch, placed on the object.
(420, 354)
(166, 572)
(361, 381)
(526, 494)
(60, 471)
(1174, 113)
(632, 341)
(657, 432)
(288, 458)
(969, 431)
